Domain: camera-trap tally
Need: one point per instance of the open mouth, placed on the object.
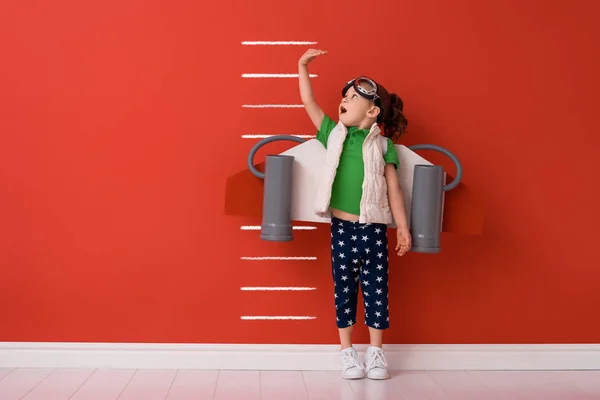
(342, 110)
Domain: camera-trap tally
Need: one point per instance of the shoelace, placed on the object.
(376, 360)
(350, 360)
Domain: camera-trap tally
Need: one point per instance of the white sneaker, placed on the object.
(375, 363)
(351, 367)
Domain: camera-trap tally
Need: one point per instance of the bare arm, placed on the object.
(314, 111)
(395, 195)
(398, 211)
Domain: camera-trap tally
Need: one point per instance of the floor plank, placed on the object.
(367, 389)
(460, 384)
(60, 385)
(417, 385)
(505, 385)
(5, 371)
(149, 384)
(548, 385)
(21, 381)
(193, 385)
(278, 385)
(104, 384)
(233, 384)
(588, 381)
(327, 385)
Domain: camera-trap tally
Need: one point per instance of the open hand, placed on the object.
(403, 241)
(310, 55)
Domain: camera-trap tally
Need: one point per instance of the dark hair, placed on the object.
(391, 115)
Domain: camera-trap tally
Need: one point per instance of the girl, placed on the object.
(361, 193)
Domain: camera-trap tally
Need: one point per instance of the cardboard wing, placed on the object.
(309, 159)
(462, 212)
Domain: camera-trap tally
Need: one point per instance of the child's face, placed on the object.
(355, 110)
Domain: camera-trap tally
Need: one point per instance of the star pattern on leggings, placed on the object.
(349, 266)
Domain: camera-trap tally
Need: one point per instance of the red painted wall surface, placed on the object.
(120, 122)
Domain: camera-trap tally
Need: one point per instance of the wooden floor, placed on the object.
(84, 384)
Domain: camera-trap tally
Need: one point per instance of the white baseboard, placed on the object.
(295, 357)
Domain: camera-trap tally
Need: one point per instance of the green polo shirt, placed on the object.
(346, 191)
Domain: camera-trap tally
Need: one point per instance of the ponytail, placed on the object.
(394, 121)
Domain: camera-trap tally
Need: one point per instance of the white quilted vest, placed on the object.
(374, 203)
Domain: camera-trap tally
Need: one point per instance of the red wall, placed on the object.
(121, 121)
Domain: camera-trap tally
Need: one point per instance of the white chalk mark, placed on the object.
(275, 75)
(275, 288)
(273, 105)
(296, 228)
(278, 258)
(276, 43)
(266, 136)
(274, 317)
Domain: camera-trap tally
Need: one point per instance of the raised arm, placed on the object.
(313, 110)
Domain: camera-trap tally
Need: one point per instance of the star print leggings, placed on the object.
(359, 253)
